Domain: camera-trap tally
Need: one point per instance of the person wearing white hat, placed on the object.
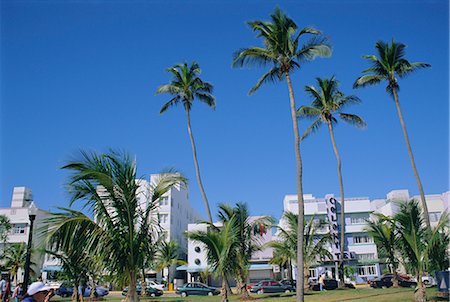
(37, 292)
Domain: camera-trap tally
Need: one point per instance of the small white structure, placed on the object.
(18, 215)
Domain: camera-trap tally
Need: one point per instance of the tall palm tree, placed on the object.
(285, 54)
(14, 259)
(387, 66)
(383, 231)
(167, 256)
(315, 244)
(121, 230)
(221, 250)
(327, 104)
(185, 87)
(416, 241)
(249, 241)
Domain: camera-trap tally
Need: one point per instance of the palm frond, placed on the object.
(353, 119)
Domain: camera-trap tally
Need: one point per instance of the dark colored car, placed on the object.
(149, 291)
(292, 283)
(387, 280)
(330, 284)
(271, 287)
(197, 289)
(66, 290)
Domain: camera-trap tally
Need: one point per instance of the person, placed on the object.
(6, 291)
(37, 292)
(17, 292)
(2, 286)
(322, 282)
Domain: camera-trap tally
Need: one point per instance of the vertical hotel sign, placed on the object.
(331, 203)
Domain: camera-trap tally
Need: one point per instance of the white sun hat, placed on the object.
(36, 287)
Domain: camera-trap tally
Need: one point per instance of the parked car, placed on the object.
(196, 289)
(330, 284)
(292, 283)
(249, 286)
(150, 291)
(155, 285)
(271, 287)
(66, 290)
(387, 281)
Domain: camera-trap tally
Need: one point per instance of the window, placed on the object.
(163, 218)
(197, 261)
(312, 273)
(18, 229)
(197, 249)
(366, 257)
(434, 216)
(368, 270)
(362, 239)
(164, 201)
(358, 220)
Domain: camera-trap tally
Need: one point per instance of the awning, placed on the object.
(260, 267)
(52, 268)
(191, 269)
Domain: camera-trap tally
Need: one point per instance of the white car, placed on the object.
(156, 285)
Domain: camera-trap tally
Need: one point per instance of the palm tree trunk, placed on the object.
(301, 218)
(132, 293)
(143, 284)
(411, 157)
(243, 286)
(168, 277)
(395, 282)
(420, 294)
(197, 169)
(341, 189)
(224, 289)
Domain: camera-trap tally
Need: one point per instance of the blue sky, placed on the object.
(83, 74)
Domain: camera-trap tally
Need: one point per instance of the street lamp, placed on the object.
(32, 211)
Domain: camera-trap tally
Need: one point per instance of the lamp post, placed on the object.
(32, 211)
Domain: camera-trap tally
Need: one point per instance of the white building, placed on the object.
(17, 214)
(357, 211)
(174, 213)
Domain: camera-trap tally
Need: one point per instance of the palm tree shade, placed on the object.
(315, 245)
(327, 105)
(248, 236)
(389, 65)
(122, 231)
(416, 241)
(221, 250)
(185, 87)
(14, 258)
(383, 231)
(284, 53)
(167, 256)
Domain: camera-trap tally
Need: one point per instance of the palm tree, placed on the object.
(121, 231)
(283, 51)
(166, 256)
(389, 65)
(14, 259)
(5, 227)
(416, 241)
(283, 255)
(221, 250)
(186, 86)
(383, 231)
(249, 241)
(327, 104)
(315, 244)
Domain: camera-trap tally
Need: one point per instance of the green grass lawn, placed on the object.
(363, 294)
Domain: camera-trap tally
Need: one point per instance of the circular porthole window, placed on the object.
(197, 261)
(197, 249)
